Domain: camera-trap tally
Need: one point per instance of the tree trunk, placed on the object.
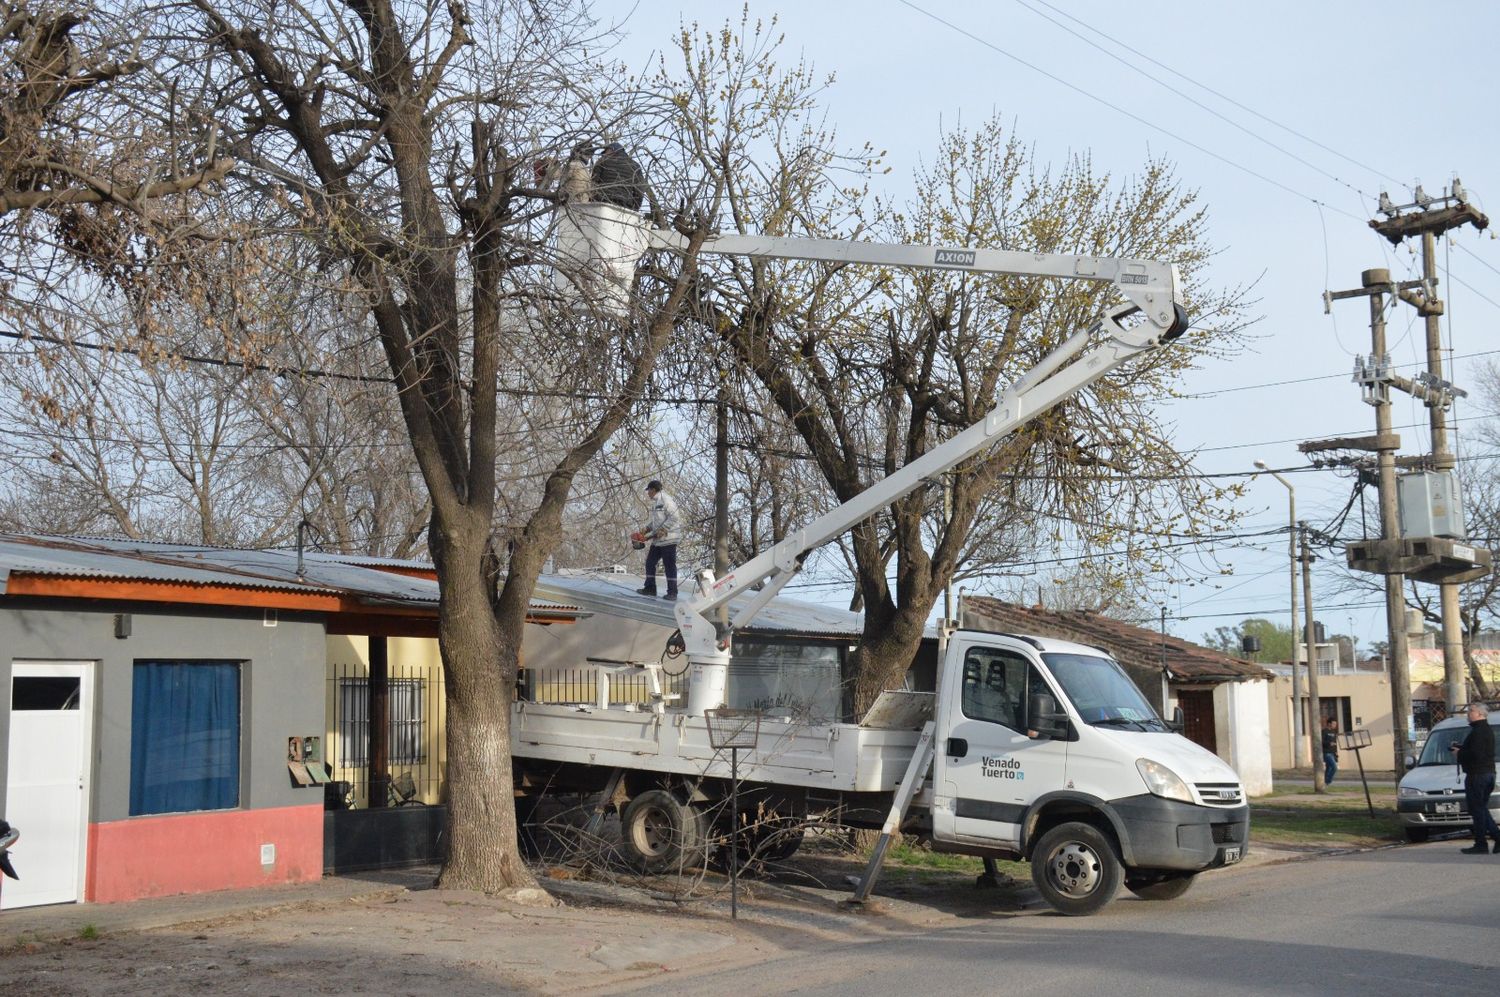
(480, 666)
(885, 652)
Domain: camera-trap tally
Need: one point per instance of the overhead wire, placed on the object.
(1187, 97)
(1124, 111)
(1222, 96)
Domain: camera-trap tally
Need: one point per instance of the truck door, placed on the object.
(987, 768)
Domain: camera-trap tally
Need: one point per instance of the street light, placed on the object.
(1291, 546)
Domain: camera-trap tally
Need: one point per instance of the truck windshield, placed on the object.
(1102, 693)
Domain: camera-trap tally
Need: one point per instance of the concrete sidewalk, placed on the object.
(58, 922)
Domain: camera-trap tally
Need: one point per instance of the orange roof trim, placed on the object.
(137, 590)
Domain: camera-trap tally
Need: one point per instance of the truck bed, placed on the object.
(833, 756)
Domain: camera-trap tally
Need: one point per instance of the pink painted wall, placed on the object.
(195, 853)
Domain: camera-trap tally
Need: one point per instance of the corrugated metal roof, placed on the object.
(1130, 645)
(197, 564)
(614, 595)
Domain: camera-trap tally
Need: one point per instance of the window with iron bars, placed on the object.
(406, 730)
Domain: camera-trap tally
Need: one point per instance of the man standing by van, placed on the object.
(660, 533)
(1476, 756)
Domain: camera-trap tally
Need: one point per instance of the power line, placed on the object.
(1129, 114)
(1224, 97)
(1187, 97)
(1316, 377)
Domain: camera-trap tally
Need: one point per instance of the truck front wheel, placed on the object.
(1076, 869)
(659, 833)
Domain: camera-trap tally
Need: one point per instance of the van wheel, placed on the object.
(1416, 834)
(1076, 869)
(1164, 887)
(658, 833)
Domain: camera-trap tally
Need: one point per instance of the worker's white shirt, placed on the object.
(663, 525)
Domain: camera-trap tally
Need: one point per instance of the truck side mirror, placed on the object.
(1176, 724)
(1046, 721)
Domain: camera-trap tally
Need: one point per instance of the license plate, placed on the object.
(1446, 808)
(1231, 856)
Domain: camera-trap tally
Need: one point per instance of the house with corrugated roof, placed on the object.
(169, 714)
(1224, 700)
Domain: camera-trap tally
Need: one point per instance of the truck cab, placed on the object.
(1046, 750)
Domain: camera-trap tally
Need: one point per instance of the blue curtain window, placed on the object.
(184, 736)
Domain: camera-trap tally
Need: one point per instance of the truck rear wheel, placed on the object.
(1168, 886)
(1076, 869)
(659, 833)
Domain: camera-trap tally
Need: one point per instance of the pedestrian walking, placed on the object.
(660, 534)
(1330, 750)
(1476, 756)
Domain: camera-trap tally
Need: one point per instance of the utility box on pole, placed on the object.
(1431, 505)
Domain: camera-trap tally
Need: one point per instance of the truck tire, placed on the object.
(1165, 887)
(1075, 867)
(1416, 834)
(785, 840)
(659, 833)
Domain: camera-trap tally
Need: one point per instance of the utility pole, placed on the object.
(1453, 211)
(946, 627)
(1314, 708)
(1385, 555)
(1291, 550)
(721, 491)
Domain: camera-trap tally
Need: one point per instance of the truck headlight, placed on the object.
(1162, 781)
(1408, 791)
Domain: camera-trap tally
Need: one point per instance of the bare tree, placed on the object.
(402, 140)
(872, 375)
(70, 126)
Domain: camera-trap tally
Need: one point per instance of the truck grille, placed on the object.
(1225, 834)
(1220, 794)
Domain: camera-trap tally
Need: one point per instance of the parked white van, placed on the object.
(1430, 798)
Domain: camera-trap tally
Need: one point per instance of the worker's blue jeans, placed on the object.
(1477, 790)
(666, 556)
(1330, 766)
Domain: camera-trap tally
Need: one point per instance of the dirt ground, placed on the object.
(607, 933)
(607, 930)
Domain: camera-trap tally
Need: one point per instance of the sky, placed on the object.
(1309, 110)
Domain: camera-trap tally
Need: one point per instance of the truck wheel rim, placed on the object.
(1075, 869)
(653, 833)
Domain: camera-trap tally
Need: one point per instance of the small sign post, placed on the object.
(735, 730)
(1353, 740)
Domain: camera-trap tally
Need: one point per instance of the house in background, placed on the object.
(1357, 695)
(162, 709)
(1429, 690)
(1224, 700)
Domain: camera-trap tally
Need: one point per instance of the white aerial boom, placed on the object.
(1151, 290)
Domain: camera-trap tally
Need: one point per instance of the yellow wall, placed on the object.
(408, 658)
(1369, 696)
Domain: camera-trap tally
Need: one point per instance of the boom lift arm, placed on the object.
(1150, 289)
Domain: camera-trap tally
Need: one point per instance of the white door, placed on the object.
(987, 766)
(46, 798)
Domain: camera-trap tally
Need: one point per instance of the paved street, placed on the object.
(1407, 920)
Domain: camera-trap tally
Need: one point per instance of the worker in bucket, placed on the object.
(660, 537)
(617, 179)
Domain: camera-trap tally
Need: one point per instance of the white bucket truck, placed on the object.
(1031, 748)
